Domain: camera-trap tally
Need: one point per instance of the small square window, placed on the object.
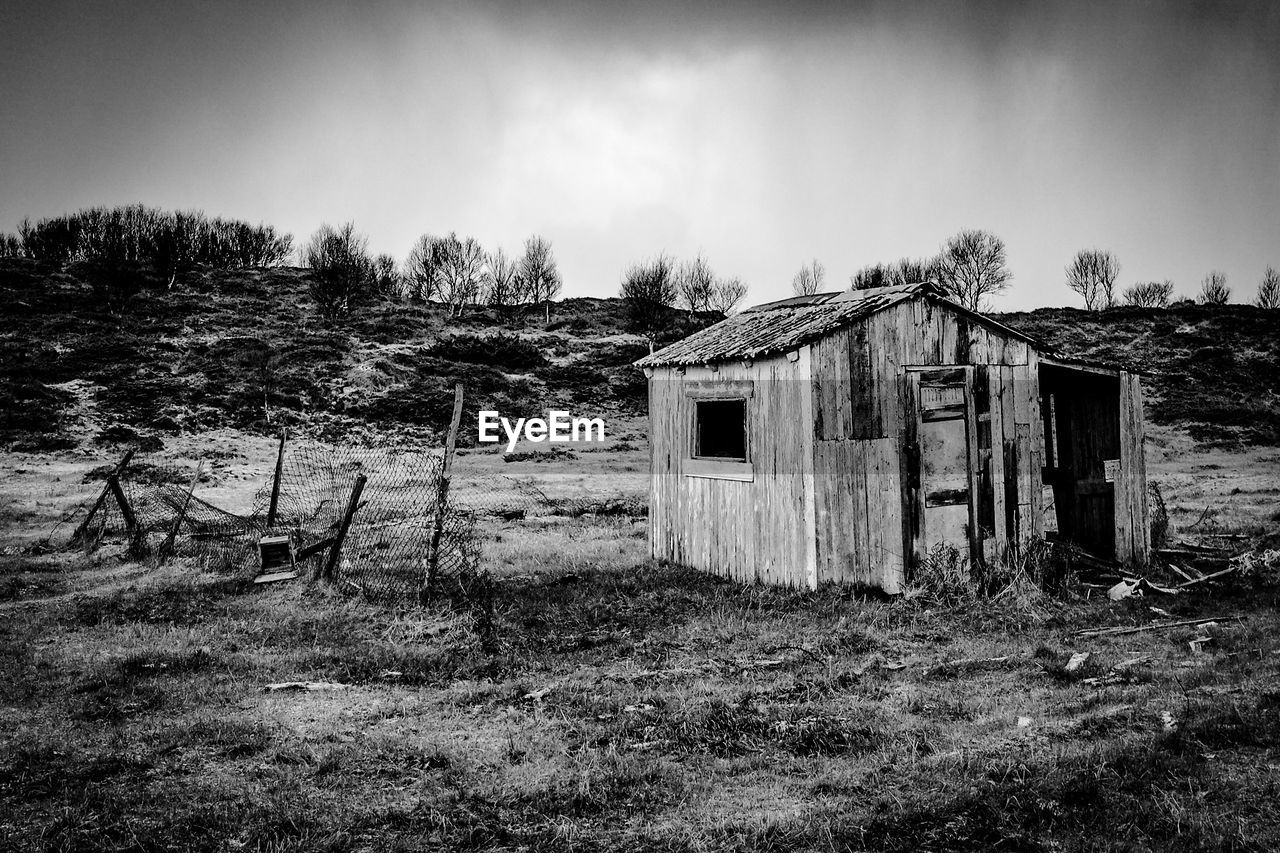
(721, 430)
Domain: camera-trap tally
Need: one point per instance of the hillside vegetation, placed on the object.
(1211, 369)
(216, 348)
(245, 349)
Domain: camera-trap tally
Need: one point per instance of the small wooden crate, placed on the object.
(277, 559)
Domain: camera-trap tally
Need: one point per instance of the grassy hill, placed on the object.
(246, 349)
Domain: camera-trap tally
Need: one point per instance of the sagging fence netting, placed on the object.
(407, 537)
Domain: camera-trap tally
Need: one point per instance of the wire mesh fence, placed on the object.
(409, 536)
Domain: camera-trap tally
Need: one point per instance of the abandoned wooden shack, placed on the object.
(844, 436)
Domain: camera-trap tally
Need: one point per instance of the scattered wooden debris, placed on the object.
(273, 577)
(1077, 660)
(1155, 626)
(1197, 644)
(952, 667)
(1204, 578)
(1122, 590)
(304, 686)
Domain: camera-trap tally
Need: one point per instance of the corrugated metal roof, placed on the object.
(778, 327)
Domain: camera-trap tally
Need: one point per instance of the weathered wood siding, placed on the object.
(864, 430)
(757, 531)
(1133, 529)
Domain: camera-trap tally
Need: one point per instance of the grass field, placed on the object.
(630, 706)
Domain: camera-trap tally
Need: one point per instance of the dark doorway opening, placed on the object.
(1081, 411)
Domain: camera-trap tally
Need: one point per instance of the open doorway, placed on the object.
(1081, 411)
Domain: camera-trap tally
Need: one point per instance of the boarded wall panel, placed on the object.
(748, 531)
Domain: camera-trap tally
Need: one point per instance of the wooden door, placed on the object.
(944, 458)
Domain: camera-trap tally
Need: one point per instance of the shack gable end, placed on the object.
(869, 506)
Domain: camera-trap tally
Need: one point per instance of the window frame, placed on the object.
(719, 467)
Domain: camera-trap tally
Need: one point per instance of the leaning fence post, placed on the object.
(172, 538)
(352, 506)
(442, 497)
(130, 519)
(275, 483)
(83, 528)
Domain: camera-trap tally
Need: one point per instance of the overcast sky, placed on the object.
(760, 135)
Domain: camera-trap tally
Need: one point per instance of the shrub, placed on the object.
(1149, 294)
(1269, 289)
(1214, 290)
(341, 269)
(167, 242)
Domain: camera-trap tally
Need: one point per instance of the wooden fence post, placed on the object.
(83, 528)
(275, 483)
(442, 498)
(352, 506)
(172, 538)
(126, 509)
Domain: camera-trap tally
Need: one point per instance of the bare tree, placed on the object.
(696, 282)
(1149, 294)
(460, 273)
(10, 246)
(502, 281)
(649, 291)
(1092, 274)
(1214, 290)
(1269, 289)
(808, 280)
(422, 268)
(726, 294)
(972, 266)
(539, 273)
(385, 276)
(341, 269)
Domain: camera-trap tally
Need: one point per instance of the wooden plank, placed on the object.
(1035, 449)
(313, 549)
(864, 425)
(130, 519)
(909, 473)
(1131, 519)
(892, 574)
(83, 527)
(1026, 524)
(971, 443)
(326, 572)
(1000, 525)
(275, 481)
(442, 498)
(809, 532)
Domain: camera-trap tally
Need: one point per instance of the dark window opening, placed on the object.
(721, 431)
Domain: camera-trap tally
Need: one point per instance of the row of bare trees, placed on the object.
(653, 289)
(458, 272)
(1092, 273)
(167, 241)
(454, 271)
(971, 267)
